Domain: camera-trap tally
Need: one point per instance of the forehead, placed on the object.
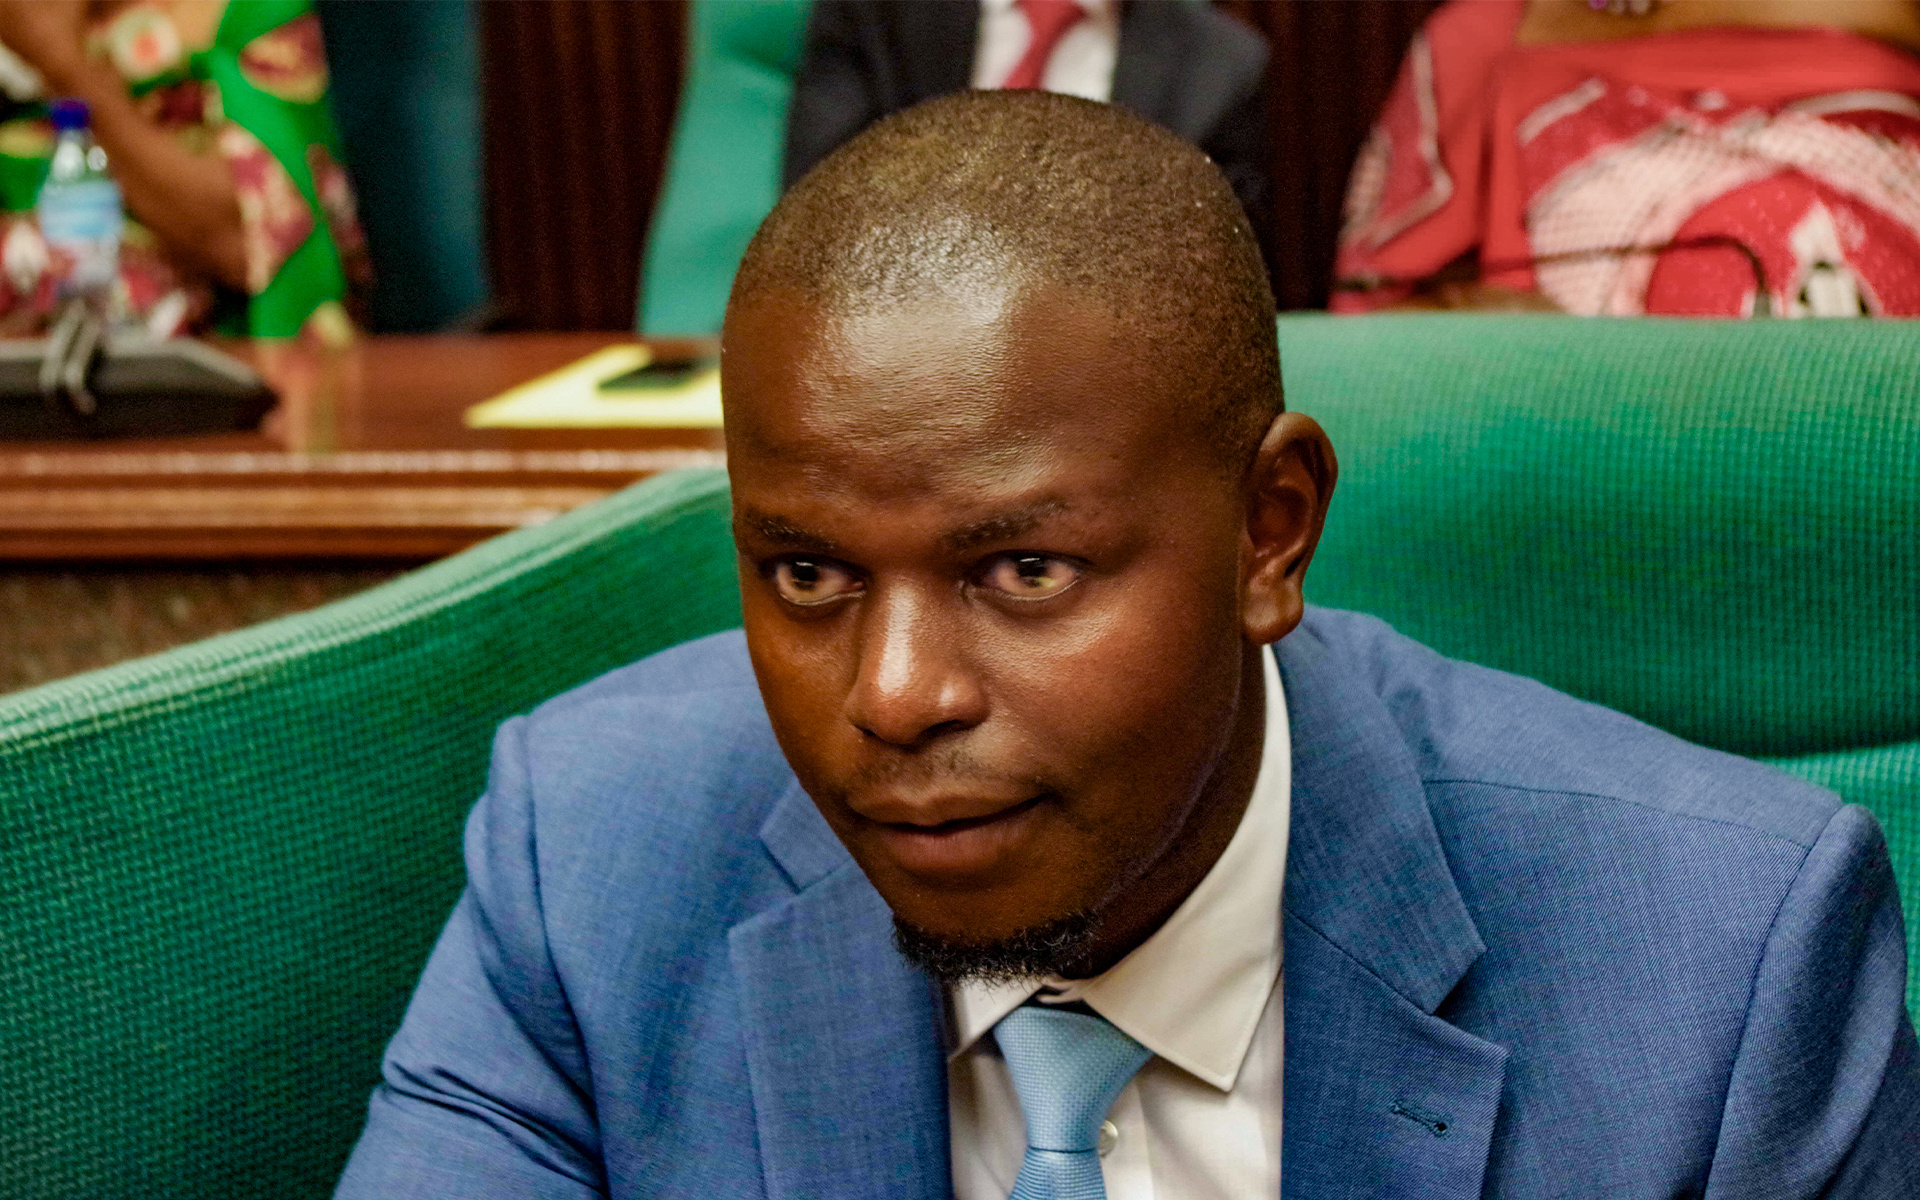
(994, 386)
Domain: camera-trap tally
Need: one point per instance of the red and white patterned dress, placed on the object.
(1779, 159)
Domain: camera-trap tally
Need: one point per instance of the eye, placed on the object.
(811, 581)
(1029, 576)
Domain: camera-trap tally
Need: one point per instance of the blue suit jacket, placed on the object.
(1533, 949)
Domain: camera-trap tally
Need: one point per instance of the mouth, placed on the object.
(955, 849)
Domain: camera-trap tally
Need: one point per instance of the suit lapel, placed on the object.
(936, 44)
(1184, 65)
(1382, 1096)
(1148, 65)
(843, 1045)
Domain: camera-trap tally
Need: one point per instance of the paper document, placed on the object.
(571, 398)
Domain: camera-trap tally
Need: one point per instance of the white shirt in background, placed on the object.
(1081, 63)
(1202, 1119)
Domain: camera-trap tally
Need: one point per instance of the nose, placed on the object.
(913, 683)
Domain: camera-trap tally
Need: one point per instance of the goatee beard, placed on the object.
(1050, 948)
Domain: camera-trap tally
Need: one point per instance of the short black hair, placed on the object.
(1052, 188)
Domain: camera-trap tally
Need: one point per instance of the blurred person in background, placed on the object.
(1534, 150)
(214, 119)
(1182, 65)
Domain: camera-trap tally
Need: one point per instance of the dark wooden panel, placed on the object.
(1334, 62)
(579, 112)
(580, 97)
(367, 456)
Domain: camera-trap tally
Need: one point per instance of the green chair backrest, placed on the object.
(221, 868)
(723, 170)
(1713, 526)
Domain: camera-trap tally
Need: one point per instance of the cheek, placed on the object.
(798, 672)
(1137, 691)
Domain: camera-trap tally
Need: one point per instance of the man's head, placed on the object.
(1016, 507)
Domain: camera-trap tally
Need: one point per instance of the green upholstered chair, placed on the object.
(1713, 526)
(221, 868)
(723, 170)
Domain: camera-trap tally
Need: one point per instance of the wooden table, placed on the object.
(366, 457)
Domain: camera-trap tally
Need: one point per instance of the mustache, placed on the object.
(944, 765)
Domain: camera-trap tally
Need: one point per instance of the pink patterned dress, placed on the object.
(1713, 172)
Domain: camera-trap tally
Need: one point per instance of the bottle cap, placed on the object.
(68, 113)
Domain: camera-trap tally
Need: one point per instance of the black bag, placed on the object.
(82, 383)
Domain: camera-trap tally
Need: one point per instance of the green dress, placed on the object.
(256, 95)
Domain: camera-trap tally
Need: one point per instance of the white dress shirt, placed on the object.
(1202, 1119)
(1081, 63)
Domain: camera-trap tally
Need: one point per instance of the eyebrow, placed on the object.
(784, 532)
(1001, 526)
(996, 528)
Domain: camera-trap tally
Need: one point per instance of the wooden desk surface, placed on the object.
(365, 457)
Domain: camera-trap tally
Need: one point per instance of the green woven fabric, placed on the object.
(1710, 525)
(221, 868)
(723, 171)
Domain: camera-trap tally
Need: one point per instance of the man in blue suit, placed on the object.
(1036, 839)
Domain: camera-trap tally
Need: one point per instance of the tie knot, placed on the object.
(1068, 1069)
(1050, 18)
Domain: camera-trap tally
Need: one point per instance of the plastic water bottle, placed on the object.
(79, 210)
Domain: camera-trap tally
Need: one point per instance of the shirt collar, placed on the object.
(1195, 991)
(1093, 8)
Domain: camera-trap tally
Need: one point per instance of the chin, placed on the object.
(986, 908)
(1049, 947)
(993, 933)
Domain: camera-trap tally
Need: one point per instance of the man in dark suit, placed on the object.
(1037, 840)
(1177, 62)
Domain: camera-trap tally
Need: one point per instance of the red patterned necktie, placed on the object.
(1049, 20)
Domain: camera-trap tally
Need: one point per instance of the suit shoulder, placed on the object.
(706, 684)
(1230, 38)
(1197, 34)
(716, 663)
(636, 801)
(1474, 727)
(679, 737)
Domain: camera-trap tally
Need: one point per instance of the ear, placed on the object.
(1287, 490)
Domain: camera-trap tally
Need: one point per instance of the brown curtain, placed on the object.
(1334, 61)
(579, 111)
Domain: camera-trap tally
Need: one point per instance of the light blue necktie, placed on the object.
(1068, 1068)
